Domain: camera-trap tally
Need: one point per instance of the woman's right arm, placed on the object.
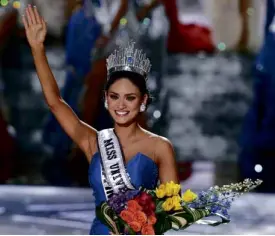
(82, 134)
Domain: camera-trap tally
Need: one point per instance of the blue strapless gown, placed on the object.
(143, 171)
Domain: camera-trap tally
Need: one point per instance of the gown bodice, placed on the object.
(142, 171)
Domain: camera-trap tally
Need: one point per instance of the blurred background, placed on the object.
(213, 88)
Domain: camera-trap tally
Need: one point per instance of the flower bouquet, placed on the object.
(150, 212)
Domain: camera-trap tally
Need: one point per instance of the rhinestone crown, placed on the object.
(128, 59)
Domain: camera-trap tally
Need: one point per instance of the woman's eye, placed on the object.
(114, 97)
(131, 98)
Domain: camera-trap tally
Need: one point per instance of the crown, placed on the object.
(128, 59)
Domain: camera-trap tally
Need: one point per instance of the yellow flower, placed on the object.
(169, 190)
(178, 207)
(176, 202)
(168, 204)
(189, 196)
(172, 189)
(160, 191)
(176, 199)
(161, 186)
(176, 189)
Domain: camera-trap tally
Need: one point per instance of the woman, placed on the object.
(112, 152)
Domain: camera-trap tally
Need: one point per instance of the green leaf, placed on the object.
(163, 223)
(178, 222)
(159, 208)
(108, 217)
(127, 228)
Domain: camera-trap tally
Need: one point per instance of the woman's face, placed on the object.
(124, 100)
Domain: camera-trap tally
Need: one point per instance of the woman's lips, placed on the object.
(122, 113)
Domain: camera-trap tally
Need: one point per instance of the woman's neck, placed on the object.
(126, 132)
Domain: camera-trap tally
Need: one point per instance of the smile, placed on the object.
(122, 113)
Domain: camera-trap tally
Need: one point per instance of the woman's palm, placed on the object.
(36, 35)
(35, 27)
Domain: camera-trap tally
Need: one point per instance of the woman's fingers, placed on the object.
(37, 16)
(43, 23)
(26, 25)
(30, 15)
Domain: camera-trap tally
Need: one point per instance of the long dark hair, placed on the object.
(137, 79)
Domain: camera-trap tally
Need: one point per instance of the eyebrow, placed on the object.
(127, 94)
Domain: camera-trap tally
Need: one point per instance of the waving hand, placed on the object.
(35, 27)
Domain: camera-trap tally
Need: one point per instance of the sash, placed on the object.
(114, 176)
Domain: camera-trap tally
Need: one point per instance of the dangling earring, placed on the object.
(106, 104)
(142, 107)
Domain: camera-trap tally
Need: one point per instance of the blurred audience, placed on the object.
(257, 157)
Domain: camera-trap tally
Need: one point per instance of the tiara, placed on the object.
(128, 59)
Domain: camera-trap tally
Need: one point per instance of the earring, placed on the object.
(142, 107)
(106, 104)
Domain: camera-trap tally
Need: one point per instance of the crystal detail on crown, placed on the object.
(129, 59)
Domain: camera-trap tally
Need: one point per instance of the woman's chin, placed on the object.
(124, 121)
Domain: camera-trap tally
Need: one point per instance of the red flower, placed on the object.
(152, 206)
(152, 219)
(144, 199)
(133, 206)
(140, 217)
(147, 210)
(136, 226)
(127, 216)
(147, 230)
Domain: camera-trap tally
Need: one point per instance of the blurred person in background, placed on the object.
(257, 156)
(236, 24)
(187, 34)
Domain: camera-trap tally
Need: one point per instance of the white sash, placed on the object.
(114, 176)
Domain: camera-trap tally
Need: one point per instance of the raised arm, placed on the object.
(82, 134)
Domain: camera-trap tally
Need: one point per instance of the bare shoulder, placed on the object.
(164, 144)
(161, 144)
